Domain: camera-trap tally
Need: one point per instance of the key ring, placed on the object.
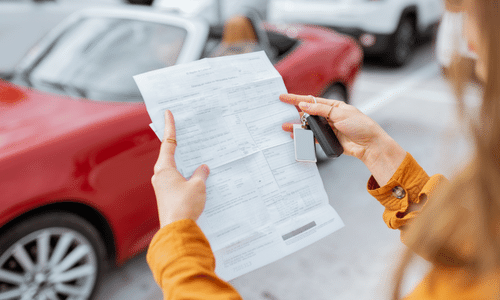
(314, 98)
(303, 119)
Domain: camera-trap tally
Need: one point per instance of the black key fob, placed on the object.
(325, 135)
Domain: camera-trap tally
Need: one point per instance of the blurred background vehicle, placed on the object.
(76, 151)
(140, 2)
(85, 56)
(387, 28)
(214, 11)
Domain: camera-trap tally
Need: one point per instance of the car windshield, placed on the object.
(97, 57)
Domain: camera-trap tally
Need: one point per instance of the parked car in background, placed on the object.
(76, 151)
(214, 11)
(140, 2)
(388, 28)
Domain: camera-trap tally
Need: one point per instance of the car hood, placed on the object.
(29, 117)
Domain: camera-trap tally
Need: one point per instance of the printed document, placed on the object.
(261, 204)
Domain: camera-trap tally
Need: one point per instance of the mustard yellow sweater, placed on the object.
(183, 264)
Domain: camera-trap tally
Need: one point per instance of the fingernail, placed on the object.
(206, 169)
(304, 105)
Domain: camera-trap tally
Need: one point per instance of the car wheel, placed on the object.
(335, 92)
(402, 42)
(51, 256)
(140, 2)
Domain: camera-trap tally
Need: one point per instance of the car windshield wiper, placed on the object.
(6, 75)
(67, 89)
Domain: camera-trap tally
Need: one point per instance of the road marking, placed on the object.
(378, 102)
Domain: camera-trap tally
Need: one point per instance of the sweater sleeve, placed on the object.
(410, 183)
(183, 264)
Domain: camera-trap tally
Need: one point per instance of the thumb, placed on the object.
(201, 172)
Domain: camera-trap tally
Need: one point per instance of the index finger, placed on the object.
(319, 109)
(296, 99)
(168, 145)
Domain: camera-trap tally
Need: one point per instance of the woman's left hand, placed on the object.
(177, 197)
(360, 136)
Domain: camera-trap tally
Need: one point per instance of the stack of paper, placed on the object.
(261, 204)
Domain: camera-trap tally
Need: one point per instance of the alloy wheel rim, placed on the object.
(53, 263)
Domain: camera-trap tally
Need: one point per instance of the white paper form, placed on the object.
(261, 204)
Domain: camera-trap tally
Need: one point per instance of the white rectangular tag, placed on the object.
(305, 147)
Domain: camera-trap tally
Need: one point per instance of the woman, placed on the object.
(458, 223)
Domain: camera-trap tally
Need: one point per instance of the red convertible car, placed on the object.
(76, 151)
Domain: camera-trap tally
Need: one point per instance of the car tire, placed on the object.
(401, 43)
(55, 255)
(336, 92)
(140, 2)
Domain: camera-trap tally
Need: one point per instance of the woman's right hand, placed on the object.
(360, 136)
(177, 197)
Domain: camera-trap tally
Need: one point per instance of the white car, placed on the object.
(213, 11)
(383, 27)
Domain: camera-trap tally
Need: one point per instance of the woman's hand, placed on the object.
(177, 198)
(360, 136)
(356, 131)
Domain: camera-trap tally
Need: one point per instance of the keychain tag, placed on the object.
(305, 147)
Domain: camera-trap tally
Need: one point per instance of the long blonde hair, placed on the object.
(460, 226)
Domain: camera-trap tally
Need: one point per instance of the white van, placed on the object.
(383, 27)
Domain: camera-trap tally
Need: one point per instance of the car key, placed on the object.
(324, 135)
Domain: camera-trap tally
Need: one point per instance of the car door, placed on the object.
(430, 12)
(119, 174)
